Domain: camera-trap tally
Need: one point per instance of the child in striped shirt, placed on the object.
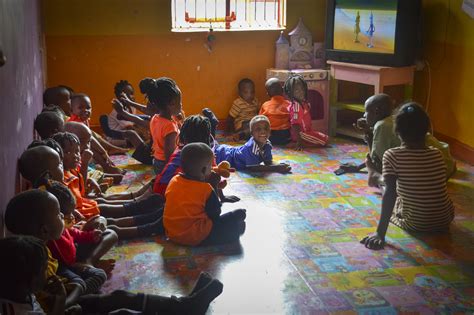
(243, 109)
(416, 196)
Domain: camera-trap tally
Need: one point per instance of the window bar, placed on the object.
(275, 10)
(205, 10)
(246, 8)
(195, 8)
(176, 13)
(227, 14)
(215, 10)
(265, 12)
(255, 13)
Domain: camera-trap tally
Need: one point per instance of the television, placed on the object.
(374, 32)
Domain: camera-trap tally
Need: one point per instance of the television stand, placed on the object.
(377, 76)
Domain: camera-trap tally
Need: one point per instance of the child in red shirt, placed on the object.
(300, 117)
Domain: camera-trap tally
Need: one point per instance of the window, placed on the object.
(222, 15)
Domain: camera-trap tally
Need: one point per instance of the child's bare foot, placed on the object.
(107, 265)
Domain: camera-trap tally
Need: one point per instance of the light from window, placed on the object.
(222, 15)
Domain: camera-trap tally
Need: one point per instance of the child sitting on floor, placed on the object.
(380, 135)
(74, 180)
(276, 109)
(58, 96)
(46, 223)
(416, 196)
(194, 218)
(165, 96)
(78, 251)
(195, 128)
(257, 150)
(81, 112)
(47, 123)
(36, 213)
(302, 132)
(243, 109)
(23, 273)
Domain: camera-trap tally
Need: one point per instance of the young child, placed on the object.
(41, 158)
(115, 121)
(300, 117)
(165, 96)
(276, 109)
(58, 96)
(45, 222)
(256, 150)
(36, 213)
(416, 196)
(195, 218)
(47, 123)
(23, 273)
(195, 128)
(81, 111)
(78, 251)
(243, 109)
(380, 134)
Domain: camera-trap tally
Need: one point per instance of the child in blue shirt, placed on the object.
(256, 150)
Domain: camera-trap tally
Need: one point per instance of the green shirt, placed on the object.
(384, 139)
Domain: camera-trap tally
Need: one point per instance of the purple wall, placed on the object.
(21, 86)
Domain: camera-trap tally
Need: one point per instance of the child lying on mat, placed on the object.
(255, 151)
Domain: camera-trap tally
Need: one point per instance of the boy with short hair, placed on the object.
(195, 218)
(47, 123)
(255, 151)
(58, 96)
(276, 109)
(243, 109)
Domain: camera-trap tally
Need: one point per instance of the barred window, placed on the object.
(225, 15)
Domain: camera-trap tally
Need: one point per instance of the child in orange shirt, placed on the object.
(276, 109)
(165, 96)
(192, 214)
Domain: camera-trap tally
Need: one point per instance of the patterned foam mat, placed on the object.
(301, 254)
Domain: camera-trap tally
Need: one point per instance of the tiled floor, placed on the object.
(301, 254)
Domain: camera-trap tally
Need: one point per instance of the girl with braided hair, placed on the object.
(300, 117)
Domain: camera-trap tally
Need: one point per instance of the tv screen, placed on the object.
(379, 32)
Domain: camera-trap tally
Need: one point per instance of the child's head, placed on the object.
(59, 96)
(196, 128)
(246, 89)
(296, 88)
(82, 132)
(23, 266)
(123, 86)
(70, 145)
(81, 106)
(260, 129)
(67, 202)
(377, 107)
(196, 160)
(35, 212)
(273, 87)
(48, 123)
(146, 84)
(164, 96)
(41, 158)
(412, 123)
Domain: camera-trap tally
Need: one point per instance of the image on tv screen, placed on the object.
(365, 26)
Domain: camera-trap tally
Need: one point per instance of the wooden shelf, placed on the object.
(349, 131)
(358, 107)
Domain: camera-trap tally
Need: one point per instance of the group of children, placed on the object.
(71, 224)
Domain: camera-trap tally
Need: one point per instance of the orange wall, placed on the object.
(93, 44)
(450, 55)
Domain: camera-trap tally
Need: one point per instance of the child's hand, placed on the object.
(283, 168)
(78, 216)
(117, 105)
(97, 236)
(362, 125)
(230, 199)
(124, 98)
(54, 286)
(93, 187)
(369, 163)
(214, 179)
(91, 224)
(373, 242)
